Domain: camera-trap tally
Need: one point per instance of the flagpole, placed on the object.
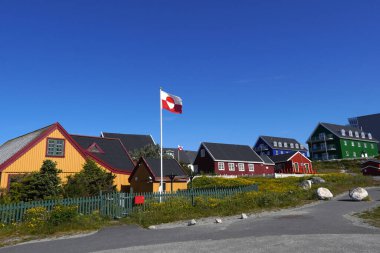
(161, 169)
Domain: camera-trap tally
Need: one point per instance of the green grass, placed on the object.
(372, 217)
(273, 194)
(19, 232)
(352, 166)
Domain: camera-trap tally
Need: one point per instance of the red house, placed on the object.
(371, 167)
(293, 163)
(231, 159)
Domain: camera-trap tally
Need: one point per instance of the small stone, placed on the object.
(317, 180)
(152, 227)
(192, 222)
(306, 184)
(358, 194)
(218, 220)
(243, 216)
(324, 193)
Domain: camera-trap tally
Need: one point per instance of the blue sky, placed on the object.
(242, 68)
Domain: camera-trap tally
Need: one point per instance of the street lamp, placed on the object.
(171, 176)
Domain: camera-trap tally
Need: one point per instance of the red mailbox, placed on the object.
(139, 200)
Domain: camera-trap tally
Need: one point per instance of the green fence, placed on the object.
(116, 205)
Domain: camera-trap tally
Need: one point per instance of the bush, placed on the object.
(35, 218)
(61, 214)
(89, 181)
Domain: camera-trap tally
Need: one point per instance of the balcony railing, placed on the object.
(328, 137)
(323, 149)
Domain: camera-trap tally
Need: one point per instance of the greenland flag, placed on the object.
(171, 103)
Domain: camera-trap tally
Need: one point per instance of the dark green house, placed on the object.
(330, 141)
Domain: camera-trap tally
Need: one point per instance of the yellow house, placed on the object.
(146, 175)
(26, 153)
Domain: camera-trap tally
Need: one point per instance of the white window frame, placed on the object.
(352, 144)
(347, 153)
(231, 166)
(363, 135)
(359, 145)
(365, 145)
(241, 166)
(350, 133)
(280, 144)
(356, 134)
(370, 136)
(220, 165)
(345, 143)
(343, 132)
(372, 146)
(285, 144)
(296, 168)
(275, 143)
(354, 154)
(297, 146)
(251, 167)
(291, 145)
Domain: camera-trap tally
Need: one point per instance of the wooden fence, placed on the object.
(116, 205)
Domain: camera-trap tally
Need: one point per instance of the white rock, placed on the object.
(152, 227)
(243, 216)
(317, 180)
(218, 220)
(192, 222)
(358, 194)
(306, 184)
(324, 193)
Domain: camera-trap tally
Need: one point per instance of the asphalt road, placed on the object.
(325, 226)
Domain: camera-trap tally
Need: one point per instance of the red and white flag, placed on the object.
(180, 148)
(171, 103)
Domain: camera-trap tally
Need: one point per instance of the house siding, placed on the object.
(371, 168)
(259, 169)
(289, 166)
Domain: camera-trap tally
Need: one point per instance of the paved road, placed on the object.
(321, 227)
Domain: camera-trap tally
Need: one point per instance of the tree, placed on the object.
(38, 185)
(148, 151)
(89, 181)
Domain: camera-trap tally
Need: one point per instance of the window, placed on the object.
(350, 133)
(347, 153)
(296, 168)
(203, 153)
(275, 143)
(276, 152)
(285, 144)
(356, 134)
(369, 136)
(281, 152)
(343, 132)
(291, 145)
(365, 145)
(307, 167)
(241, 166)
(220, 165)
(363, 135)
(322, 136)
(231, 166)
(297, 146)
(372, 146)
(345, 143)
(359, 144)
(251, 167)
(280, 144)
(55, 147)
(354, 154)
(352, 144)
(170, 153)
(316, 156)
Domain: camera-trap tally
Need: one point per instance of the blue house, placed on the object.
(272, 146)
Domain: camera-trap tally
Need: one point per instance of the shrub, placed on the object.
(35, 218)
(61, 214)
(89, 181)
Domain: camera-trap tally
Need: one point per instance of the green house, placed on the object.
(330, 141)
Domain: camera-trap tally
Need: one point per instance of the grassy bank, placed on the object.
(273, 194)
(371, 217)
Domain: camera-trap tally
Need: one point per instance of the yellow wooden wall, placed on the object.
(141, 184)
(176, 186)
(70, 164)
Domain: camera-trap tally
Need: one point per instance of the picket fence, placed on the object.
(116, 205)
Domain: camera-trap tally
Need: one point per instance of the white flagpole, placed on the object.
(161, 181)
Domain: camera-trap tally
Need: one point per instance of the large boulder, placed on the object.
(317, 180)
(358, 194)
(324, 193)
(306, 184)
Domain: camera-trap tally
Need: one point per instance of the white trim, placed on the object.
(101, 134)
(235, 161)
(300, 154)
(152, 139)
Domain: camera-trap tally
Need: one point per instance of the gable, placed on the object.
(32, 159)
